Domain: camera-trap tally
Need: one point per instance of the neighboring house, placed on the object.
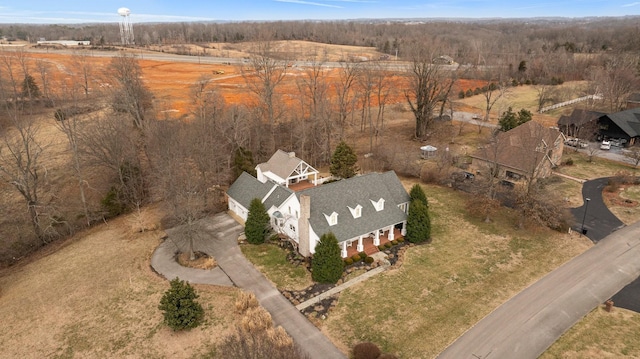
(528, 151)
(580, 124)
(444, 60)
(621, 125)
(359, 210)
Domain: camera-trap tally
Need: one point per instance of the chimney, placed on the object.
(304, 246)
(292, 154)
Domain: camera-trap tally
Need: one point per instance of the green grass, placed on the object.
(600, 334)
(271, 260)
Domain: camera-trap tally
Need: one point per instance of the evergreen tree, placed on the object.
(29, 87)
(181, 310)
(343, 161)
(243, 162)
(418, 223)
(417, 193)
(257, 225)
(327, 265)
(510, 120)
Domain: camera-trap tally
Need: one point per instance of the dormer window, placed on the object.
(332, 219)
(356, 212)
(379, 205)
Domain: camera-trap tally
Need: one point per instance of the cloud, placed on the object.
(631, 4)
(309, 3)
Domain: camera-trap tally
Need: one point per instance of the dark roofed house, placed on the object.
(362, 210)
(527, 151)
(581, 123)
(623, 125)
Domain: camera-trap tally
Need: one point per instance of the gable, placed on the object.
(284, 164)
(246, 188)
(343, 196)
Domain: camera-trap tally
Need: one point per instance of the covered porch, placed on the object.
(368, 244)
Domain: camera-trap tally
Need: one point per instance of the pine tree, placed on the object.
(343, 161)
(29, 87)
(510, 120)
(181, 310)
(243, 162)
(417, 193)
(418, 223)
(327, 265)
(257, 225)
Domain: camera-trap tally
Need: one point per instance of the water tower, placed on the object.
(126, 28)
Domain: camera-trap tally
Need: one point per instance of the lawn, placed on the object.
(600, 334)
(272, 262)
(96, 297)
(583, 169)
(445, 287)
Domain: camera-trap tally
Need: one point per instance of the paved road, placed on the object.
(527, 324)
(222, 244)
(599, 221)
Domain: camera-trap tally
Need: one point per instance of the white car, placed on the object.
(606, 145)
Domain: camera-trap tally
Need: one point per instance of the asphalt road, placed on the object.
(527, 324)
(599, 221)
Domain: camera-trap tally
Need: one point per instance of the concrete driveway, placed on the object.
(527, 324)
(220, 241)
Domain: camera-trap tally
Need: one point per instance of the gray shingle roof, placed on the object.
(628, 121)
(360, 190)
(247, 187)
(277, 197)
(281, 164)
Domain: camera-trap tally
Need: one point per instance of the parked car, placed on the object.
(507, 184)
(571, 142)
(606, 145)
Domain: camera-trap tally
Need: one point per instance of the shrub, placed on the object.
(327, 265)
(394, 242)
(382, 247)
(257, 225)
(388, 245)
(401, 239)
(112, 203)
(245, 301)
(356, 258)
(256, 320)
(366, 350)
(362, 255)
(469, 93)
(418, 223)
(569, 162)
(181, 311)
(348, 261)
(368, 260)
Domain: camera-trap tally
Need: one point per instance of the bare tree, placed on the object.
(429, 83)
(494, 89)
(130, 94)
(83, 69)
(616, 79)
(262, 76)
(348, 74)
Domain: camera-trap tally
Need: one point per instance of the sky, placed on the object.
(75, 11)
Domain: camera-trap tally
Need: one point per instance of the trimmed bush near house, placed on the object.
(394, 242)
(356, 258)
(382, 247)
(368, 260)
(388, 245)
(348, 261)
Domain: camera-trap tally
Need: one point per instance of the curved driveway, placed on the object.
(599, 221)
(221, 243)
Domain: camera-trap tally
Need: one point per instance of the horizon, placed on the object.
(158, 11)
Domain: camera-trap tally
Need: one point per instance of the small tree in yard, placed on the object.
(343, 161)
(327, 265)
(417, 193)
(418, 223)
(257, 225)
(181, 311)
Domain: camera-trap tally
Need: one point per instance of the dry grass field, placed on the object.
(94, 295)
